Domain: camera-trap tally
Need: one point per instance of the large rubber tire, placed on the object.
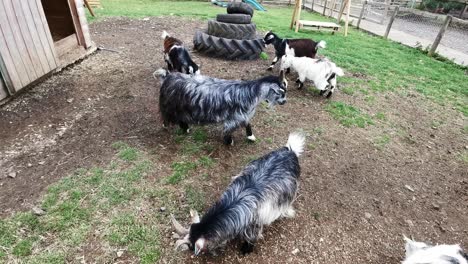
(232, 31)
(234, 18)
(240, 8)
(230, 49)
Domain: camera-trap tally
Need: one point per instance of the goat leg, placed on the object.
(185, 128)
(249, 133)
(228, 129)
(247, 247)
(301, 84)
(275, 60)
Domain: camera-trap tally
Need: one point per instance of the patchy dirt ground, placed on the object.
(353, 205)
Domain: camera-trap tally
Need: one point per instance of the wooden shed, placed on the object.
(38, 37)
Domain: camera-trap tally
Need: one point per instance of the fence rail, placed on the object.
(422, 29)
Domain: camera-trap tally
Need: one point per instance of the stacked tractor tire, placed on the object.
(231, 36)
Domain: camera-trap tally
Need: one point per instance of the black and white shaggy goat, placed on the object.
(177, 57)
(422, 253)
(321, 71)
(293, 47)
(263, 192)
(200, 99)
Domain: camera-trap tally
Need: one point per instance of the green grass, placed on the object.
(181, 170)
(75, 206)
(348, 115)
(386, 65)
(195, 198)
(381, 141)
(142, 239)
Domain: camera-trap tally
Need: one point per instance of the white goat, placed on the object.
(422, 253)
(321, 71)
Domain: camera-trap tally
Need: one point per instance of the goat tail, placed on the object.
(164, 35)
(160, 74)
(321, 44)
(296, 142)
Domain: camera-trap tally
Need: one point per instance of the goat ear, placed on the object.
(200, 245)
(282, 76)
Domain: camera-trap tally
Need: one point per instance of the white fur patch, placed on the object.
(270, 37)
(419, 253)
(296, 143)
(251, 138)
(164, 34)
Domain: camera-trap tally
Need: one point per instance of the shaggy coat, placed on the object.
(293, 47)
(422, 253)
(263, 192)
(321, 71)
(177, 57)
(202, 100)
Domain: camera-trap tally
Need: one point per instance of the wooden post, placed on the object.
(447, 21)
(385, 13)
(348, 10)
(294, 16)
(362, 13)
(324, 7)
(298, 13)
(312, 5)
(389, 26)
(343, 6)
(464, 9)
(332, 7)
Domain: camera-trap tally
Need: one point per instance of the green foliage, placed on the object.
(263, 56)
(348, 115)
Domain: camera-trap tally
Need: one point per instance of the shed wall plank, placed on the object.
(7, 64)
(46, 28)
(44, 34)
(19, 41)
(41, 50)
(28, 40)
(3, 89)
(10, 49)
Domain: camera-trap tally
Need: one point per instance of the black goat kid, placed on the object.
(292, 47)
(186, 100)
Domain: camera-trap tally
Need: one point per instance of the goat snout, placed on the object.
(282, 101)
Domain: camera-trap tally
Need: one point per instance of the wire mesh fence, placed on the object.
(420, 28)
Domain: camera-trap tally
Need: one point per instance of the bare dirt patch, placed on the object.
(353, 205)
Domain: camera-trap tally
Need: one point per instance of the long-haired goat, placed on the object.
(177, 57)
(293, 47)
(321, 71)
(200, 99)
(422, 253)
(263, 192)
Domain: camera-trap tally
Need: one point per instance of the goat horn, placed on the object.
(195, 217)
(181, 242)
(180, 230)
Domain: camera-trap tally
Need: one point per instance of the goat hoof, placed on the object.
(270, 69)
(228, 141)
(322, 92)
(251, 138)
(246, 248)
(329, 94)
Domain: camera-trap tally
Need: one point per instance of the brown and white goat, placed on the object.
(177, 57)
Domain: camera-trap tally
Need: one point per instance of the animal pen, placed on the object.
(38, 37)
